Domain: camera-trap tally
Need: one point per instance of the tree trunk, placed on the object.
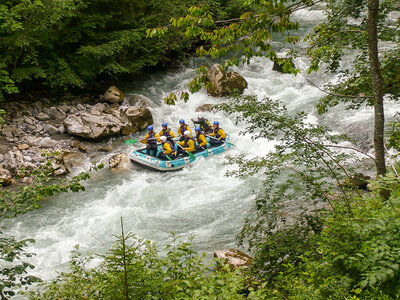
(373, 8)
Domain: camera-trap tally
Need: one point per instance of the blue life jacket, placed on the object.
(216, 133)
(152, 136)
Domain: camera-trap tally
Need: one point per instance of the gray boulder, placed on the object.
(205, 107)
(113, 95)
(119, 162)
(140, 101)
(97, 125)
(222, 83)
(234, 258)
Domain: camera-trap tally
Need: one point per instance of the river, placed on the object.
(199, 200)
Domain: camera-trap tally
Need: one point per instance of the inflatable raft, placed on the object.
(141, 158)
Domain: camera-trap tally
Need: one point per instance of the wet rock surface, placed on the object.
(234, 258)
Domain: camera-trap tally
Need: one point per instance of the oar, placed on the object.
(134, 141)
(190, 154)
(211, 137)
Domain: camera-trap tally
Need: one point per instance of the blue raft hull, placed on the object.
(141, 158)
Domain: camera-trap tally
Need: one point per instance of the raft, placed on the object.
(141, 158)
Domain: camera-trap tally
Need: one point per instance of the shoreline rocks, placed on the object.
(72, 126)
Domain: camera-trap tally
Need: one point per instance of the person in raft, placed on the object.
(165, 131)
(151, 140)
(217, 137)
(182, 128)
(200, 139)
(169, 148)
(187, 145)
(204, 124)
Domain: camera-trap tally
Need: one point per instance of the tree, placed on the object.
(349, 24)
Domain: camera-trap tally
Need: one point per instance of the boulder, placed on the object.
(358, 180)
(140, 118)
(7, 131)
(5, 177)
(42, 116)
(279, 67)
(113, 95)
(51, 130)
(72, 158)
(222, 83)
(205, 107)
(140, 101)
(119, 161)
(97, 125)
(234, 258)
(23, 147)
(56, 115)
(45, 142)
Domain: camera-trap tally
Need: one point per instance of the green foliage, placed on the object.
(344, 29)
(247, 35)
(180, 274)
(71, 43)
(393, 133)
(13, 275)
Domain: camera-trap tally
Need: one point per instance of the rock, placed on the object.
(23, 147)
(139, 118)
(64, 108)
(119, 161)
(42, 116)
(45, 142)
(51, 130)
(98, 125)
(222, 83)
(38, 128)
(60, 170)
(5, 177)
(358, 180)
(234, 258)
(99, 107)
(140, 101)
(279, 67)
(7, 131)
(102, 149)
(2, 157)
(113, 95)
(29, 120)
(72, 158)
(205, 107)
(56, 115)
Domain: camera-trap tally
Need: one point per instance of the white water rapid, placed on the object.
(198, 200)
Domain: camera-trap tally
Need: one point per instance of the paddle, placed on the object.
(211, 137)
(134, 141)
(190, 154)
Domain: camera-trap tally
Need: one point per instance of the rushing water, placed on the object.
(198, 200)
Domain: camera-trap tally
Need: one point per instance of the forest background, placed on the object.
(346, 249)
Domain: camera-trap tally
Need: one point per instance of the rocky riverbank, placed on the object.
(72, 126)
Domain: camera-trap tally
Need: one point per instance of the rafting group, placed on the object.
(187, 144)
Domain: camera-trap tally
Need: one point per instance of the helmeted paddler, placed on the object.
(151, 140)
(167, 147)
(200, 139)
(218, 135)
(188, 144)
(182, 128)
(167, 132)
